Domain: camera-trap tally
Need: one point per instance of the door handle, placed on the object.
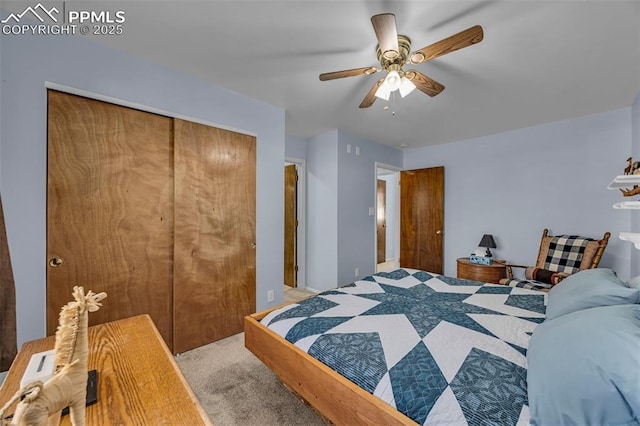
(56, 261)
(253, 245)
(438, 232)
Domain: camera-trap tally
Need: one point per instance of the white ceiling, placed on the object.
(540, 61)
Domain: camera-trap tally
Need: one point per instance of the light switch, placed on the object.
(372, 211)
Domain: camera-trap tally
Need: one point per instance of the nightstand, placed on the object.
(484, 273)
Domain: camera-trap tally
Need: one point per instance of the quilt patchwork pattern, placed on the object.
(441, 350)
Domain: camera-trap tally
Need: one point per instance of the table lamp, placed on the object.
(488, 242)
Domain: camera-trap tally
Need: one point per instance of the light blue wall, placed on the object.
(515, 184)
(341, 187)
(28, 62)
(295, 147)
(356, 195)
(635, 127)
(635, 215)
(322, 211)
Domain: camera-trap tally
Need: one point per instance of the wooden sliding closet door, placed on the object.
(109, 209)
(215, 205)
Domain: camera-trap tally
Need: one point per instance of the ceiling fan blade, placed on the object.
(347, 73)
(385, 27)
(450, 44)
(423, 83)
(371, 96)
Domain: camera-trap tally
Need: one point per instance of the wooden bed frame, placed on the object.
(335, 397)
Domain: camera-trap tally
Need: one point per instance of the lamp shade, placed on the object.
(393, 80)
(406, 86)
(383, 92)
(487, 241)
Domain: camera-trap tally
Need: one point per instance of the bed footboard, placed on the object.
(335, 397)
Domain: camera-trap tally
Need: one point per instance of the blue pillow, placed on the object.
(588, 289)
(584, 368)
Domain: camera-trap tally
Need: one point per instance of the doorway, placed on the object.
(387, 218)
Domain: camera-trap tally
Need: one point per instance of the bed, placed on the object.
(405, 347)
(412, 347)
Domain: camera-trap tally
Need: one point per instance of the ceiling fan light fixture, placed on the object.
(383, 92)
(406, 86)
(392, 81)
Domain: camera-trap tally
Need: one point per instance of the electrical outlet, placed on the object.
(270, 296)
(357, 271)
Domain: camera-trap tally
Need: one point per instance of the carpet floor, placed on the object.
(236, 388)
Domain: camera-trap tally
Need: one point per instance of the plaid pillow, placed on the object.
(565, 253)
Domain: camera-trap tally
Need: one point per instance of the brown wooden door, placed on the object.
(8, 336)
(109, 209)
(290, 225)
(381, 220)
(215, 209)
(422, 219)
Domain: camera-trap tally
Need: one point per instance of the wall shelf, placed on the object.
(627, 205)
(632, 237)
(624, 181)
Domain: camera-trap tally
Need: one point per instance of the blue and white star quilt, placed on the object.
(440, 350)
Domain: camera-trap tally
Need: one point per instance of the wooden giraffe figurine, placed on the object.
(43, 402)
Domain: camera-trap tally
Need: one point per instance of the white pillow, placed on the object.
(634, 282)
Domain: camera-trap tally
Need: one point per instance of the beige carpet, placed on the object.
(387, 266)
(292, 294)
(236, 388)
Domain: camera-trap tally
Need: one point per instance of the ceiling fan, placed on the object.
(393, 53)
